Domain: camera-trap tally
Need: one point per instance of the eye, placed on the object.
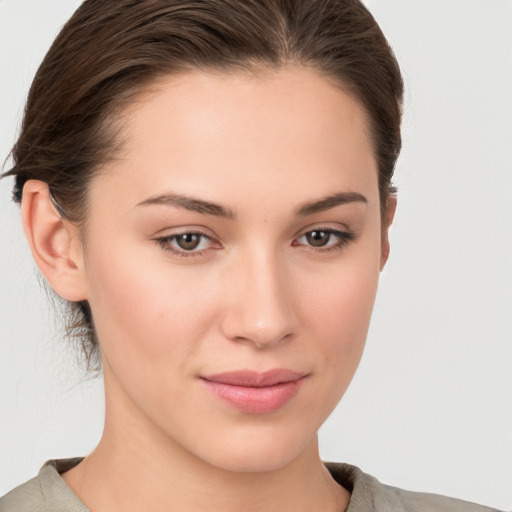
(189, 243)
(318, 238)
(325, 239)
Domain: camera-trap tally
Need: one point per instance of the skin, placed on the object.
(255, 295)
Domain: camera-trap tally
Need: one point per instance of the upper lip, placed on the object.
(251, 378)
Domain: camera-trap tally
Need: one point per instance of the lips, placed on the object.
(253, 392)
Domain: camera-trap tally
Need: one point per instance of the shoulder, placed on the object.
(390, 498)
(27, 497)
(45, 493)
(370, 495)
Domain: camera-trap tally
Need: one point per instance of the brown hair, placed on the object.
(111, 49)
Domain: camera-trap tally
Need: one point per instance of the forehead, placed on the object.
(224, 132)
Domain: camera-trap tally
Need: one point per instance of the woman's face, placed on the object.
(232, 258)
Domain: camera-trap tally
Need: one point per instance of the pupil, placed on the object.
(318, 238)
(188, 241)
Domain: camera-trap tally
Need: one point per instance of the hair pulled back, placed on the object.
(110, 50)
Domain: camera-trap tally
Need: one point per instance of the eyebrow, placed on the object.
(190, 203)
(329, 202)
(208, 208)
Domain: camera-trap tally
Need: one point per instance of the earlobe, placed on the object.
(53, 241)
(390, 214)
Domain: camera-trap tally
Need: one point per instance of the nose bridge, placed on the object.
(260, 307)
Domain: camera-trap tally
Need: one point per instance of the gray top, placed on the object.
(49, 493)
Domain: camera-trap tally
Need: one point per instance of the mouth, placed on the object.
(253, 392)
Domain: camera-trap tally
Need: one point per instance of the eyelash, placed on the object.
(345, 238)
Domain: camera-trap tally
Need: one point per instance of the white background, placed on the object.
(431, 405)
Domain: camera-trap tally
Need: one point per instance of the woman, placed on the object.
(208, 217)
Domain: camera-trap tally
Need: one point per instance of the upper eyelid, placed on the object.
(320, 227)
(336, 225)
(183, 231)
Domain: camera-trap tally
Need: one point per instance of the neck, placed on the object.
(137, 467)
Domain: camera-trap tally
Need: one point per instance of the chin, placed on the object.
(254, 462)
(260, 453)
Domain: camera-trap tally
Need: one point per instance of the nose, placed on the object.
(259, 306)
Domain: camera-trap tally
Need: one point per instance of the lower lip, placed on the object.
(255, 400)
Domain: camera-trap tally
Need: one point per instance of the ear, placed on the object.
(53, 241)
(390, 214)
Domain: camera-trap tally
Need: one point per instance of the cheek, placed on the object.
(343, 325)
(339, 309)
(340, 302)
(144, 311)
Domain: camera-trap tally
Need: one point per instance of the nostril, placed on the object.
(267, 344)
